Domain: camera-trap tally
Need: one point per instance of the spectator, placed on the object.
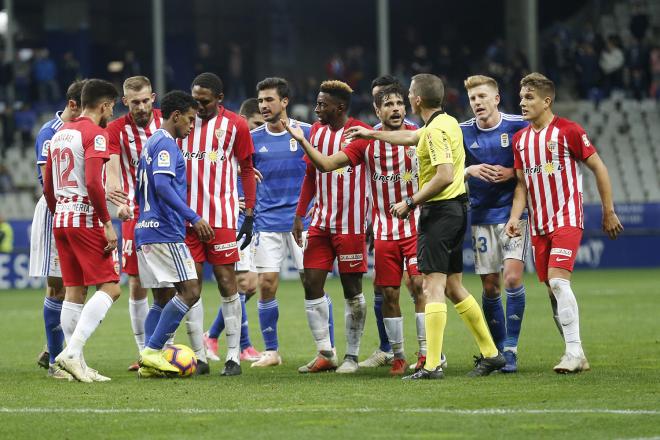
(6, 181)
(6, 237)
(8, 128)
(69, 70)
(45, 76)
(654, 59)
(235, 92)
(611, 63)
(639, 20)
(23, 75)
(587, 69)
(421, 62)
(204, 60)
(25, 119)
(335, 68)
(131, 65)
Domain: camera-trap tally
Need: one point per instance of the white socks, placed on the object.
(138, 310)
(421, 332)
(92, 314)
(317, 311)
(69, 318)
(195, 326)
(355, 315)
(231, 310)
(567, 311)
(394, 330)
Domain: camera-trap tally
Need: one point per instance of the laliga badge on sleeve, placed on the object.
(99, 142)
(163, 159)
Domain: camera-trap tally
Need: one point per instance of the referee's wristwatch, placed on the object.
(410, 203)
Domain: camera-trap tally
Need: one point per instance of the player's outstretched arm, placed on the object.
(320, 161)
(611, 224)
(397, 137)
(512, 227)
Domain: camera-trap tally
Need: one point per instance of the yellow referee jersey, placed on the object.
(441, 142)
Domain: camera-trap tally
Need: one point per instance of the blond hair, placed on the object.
(480, 80)
(540, 83)
(337, 89)
(136, 83)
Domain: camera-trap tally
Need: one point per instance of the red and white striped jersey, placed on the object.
(212, 151)
(550, 160)
(341, 198)
(127, 139)
(76, 141)
(392, 172)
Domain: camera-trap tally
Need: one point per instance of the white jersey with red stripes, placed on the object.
(550, 159)
(212, 151)
(341, 198)
(76, 141)
(392, 173)
(127, 139)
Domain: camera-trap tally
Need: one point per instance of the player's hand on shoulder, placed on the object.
(612, 225)
(111, 236)
(294, 130)
(117, 196)
(203, 230)
(512, 228)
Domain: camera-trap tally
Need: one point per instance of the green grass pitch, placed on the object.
(619, 398)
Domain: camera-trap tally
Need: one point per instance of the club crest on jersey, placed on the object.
(410, 152)
(99, 143)
(163, 159)
(504, 140)
(552, 146)
(343, 143)
(293, 145)
(219, 133)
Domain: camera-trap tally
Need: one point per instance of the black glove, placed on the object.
(246, 231)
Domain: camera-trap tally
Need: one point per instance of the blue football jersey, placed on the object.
(42, 144)
(491, 202)
(158, 222)
(280, 159)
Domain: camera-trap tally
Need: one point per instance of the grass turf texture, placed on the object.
(619, 320)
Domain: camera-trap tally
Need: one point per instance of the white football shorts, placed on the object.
(492, 246)
(163, 264)
(272, 248)
(44, 261)
(246, 262)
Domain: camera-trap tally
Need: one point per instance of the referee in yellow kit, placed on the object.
(442, 223)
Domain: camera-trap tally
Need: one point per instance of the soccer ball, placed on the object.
(183, 358)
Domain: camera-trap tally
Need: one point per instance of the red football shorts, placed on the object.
(129, 261)
(323, 247)
(557, 249)
(220, 251)
(82, 259)
(390, 258)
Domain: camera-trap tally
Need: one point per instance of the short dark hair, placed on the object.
(280, 84)
(392, 89)
(385, 80)
(95, 91)
(208, 80)
(337, 89)
(249, 107)
(176, 100)
(430, 88)
(74, 92)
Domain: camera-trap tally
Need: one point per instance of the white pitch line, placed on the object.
(483, 411)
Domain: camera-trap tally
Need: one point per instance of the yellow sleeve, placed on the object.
(439, 146)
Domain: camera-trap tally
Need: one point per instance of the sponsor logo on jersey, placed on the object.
(585, 140)
(264, 149)
(552, 146)
(561, 251)
(504, 140)
(73, 207)
(546, 168)
(99, 143)
(342, 171)
(224, 246)
(147, 224)
(163, 159)
(406, 176)
(412, 261)
(474, 145)
(350, 257)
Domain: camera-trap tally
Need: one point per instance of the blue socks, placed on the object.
(494, 314)
(245, 334)
(382, 334)
(54, 333)
(218, 325)
(515, 308)
(331, 321)
(151, 321)
(269, 313)
(169, 321)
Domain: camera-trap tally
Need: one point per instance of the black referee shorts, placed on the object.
(440, 233)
